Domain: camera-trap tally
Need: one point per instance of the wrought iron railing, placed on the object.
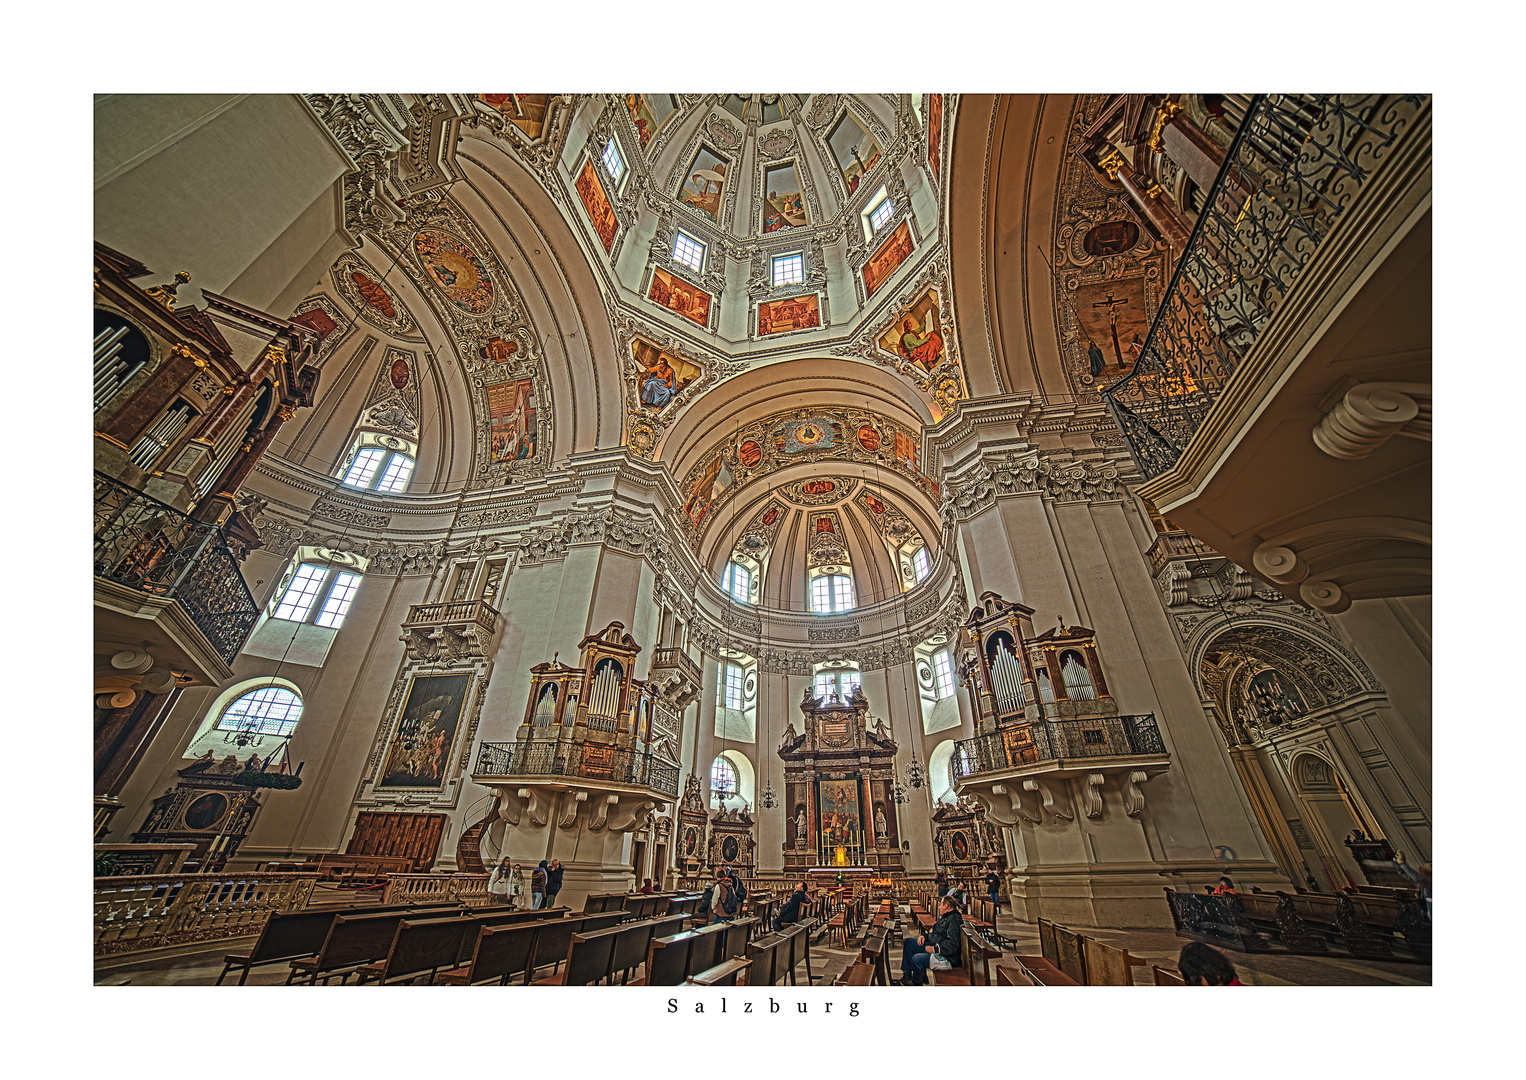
(1294, 166)
(591, 761)
(1058, 740)
(149, 545)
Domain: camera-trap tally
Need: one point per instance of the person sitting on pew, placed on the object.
(790, 912)
(943, 939)
(1225, 887)
(1203, 965)
(646, 887)
(702, 909)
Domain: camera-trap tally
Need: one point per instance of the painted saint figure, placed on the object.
(926, 347)
(1098, 361)
(660, 384)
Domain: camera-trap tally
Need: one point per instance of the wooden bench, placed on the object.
(860, 973)
(799, 937)
(1107, 965)
(727, 973)
(635, 941)
(1167, 976)
(293, 935)
(601, 902)
(1042, 972)
(764, 954)
(1009, 975)
(357, 868)
(417, 947)
(500, 953)
(672, 959)
(976, 952)
(588, 959)
(352, 942)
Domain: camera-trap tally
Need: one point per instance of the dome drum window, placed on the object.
(689, 251)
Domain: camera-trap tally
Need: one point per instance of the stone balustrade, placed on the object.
(468, 889)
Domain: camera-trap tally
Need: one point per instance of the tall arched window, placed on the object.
(723, 778)
(737, 580)
(270, 710)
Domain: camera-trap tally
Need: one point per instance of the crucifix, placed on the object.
(1112, 322)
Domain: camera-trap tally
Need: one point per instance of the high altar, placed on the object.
(839, 775)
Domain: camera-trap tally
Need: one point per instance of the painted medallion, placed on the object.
(457, 271)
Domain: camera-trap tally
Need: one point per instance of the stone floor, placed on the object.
(829, 962)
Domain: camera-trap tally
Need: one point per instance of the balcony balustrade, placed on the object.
(151, 547)
(1305, 159)
(573, 762)
(1059, 746)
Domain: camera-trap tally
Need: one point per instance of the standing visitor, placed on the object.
(538, 879)
(553, 881)
(498, 881)
(993, 888)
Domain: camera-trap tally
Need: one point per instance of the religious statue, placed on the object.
(881, 830)
(800, 824)
(809, 698)
(789, 730)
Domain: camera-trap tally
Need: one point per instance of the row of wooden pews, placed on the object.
(290, 935)
(1375, 924)
(776, 957)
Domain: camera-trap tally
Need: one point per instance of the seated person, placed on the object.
(943, 939)
(790, 912)
(1225, 887)
(1203, 965)
(702, 909)
(646, 887)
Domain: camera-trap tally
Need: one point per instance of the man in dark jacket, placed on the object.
(943, 939)
(554, 881)
(790, 912)
(538, 887)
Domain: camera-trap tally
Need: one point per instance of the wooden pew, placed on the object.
(632, 946)
(738, 933)
(727, 973)
(707, 949)
(1107, 965)
(976, 953)
(799, 936)
(555, 938)
(588, 959)
(501, 952)
(352, 941)
(293, 935)
(417, 947)
(1167, 976)
(861, 973)
(764, 954)
(1071, 946)
(1007, 975)
(1042, 972)
(667, 960)
(601, 902)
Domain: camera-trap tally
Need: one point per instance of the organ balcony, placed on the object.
(1022, 772)
(594, 741)
(168, 591)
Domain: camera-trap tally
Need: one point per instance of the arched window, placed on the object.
(737, 580)
(963, 764)
(376, 468)
(830, 594)
(270, 710)
(1078, 680)
(723, 778)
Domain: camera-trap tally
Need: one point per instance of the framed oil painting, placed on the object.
(426, 731)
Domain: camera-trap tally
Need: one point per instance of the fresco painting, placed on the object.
(456, 270)
(784, 203)
(649, 112)
(677, 295)
(782, 316)
(512, 430)
(856, 151)
(916, 335)
(663, 375)
(591, 191)
(891, 254)
(705, 184)
(1113, 324)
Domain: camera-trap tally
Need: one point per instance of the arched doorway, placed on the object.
(1303, 724)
